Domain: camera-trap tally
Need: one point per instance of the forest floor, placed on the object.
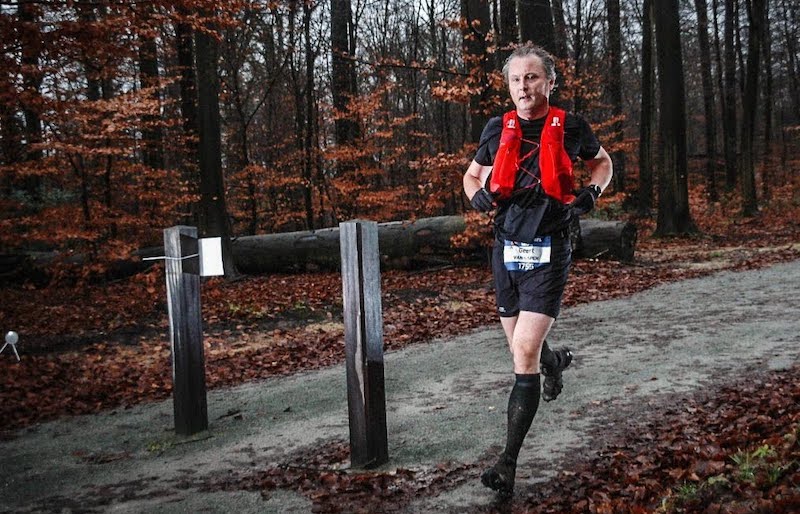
(105, 349)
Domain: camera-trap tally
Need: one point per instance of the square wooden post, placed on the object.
(363, 335)
(185, 327)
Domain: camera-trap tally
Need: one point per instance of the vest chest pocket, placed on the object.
(522, 223)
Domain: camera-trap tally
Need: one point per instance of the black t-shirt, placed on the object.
(579, 141)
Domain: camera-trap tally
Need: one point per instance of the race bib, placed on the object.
(526, 256)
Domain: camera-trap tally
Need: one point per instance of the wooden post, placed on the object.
(363, 336)
(186, 333)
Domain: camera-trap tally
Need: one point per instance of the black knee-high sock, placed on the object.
(522, 406)
(548, 358)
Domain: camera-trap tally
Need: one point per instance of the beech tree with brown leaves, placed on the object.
(99, 122)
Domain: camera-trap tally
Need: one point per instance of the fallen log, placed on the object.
(403, 244)
(411, 244)
(600, 239)
(37, 266)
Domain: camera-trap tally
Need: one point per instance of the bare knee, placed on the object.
(526, 356)
(530, 331)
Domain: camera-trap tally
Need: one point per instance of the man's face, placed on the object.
(529, 86)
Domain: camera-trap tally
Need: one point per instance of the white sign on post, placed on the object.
(210, 250)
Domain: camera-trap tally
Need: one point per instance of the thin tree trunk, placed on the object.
(648, 114)
(94, 91)
(615, 90)
(31, 43)
(708, 99)
(737, 33)
(578, 52)
(476, 15)
(11, 129)
(790, 36)
(308, 138)
(433, 35)
(447, 115)
(766, 163)
(756, 15)
(718, 55)
(108, 92)
(729, 115)
(152, 133)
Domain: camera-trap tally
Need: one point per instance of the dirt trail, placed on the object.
(446, 402)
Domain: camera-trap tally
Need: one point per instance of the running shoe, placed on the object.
(553, 383)
(500, 477)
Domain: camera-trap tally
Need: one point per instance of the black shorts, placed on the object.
(537, 290)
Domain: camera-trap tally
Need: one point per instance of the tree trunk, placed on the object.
(152, 134)
(766, 163)
(615, 91)
(11, 136)
(187, 81)
(308, 123)
(440, 125)
(790, 36)
(343, 71)
(718, 60)
(31, 43)
(578, 53)
(560, 28)
(184, 46)
(606, 239)
(737, 33)
(476, 15)
(673, 200)
(648, 114)
(403, 244)
(408, 244)
(509, 30)
(729, 115)
(747, 175)
(536, 23)
(426, 240)
(708, 99)
(213, 212)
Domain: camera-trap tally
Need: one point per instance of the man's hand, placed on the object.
(482, 201)
(585, 198)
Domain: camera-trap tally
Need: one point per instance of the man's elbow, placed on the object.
(603, 161)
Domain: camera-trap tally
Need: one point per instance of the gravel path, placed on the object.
(445, 402)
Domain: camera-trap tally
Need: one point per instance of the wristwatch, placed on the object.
(596, 189)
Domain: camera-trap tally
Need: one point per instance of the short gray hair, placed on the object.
(528, 49)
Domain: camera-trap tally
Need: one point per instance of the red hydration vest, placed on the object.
(555, 165)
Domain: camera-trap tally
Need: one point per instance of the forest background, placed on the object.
(121, 118)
